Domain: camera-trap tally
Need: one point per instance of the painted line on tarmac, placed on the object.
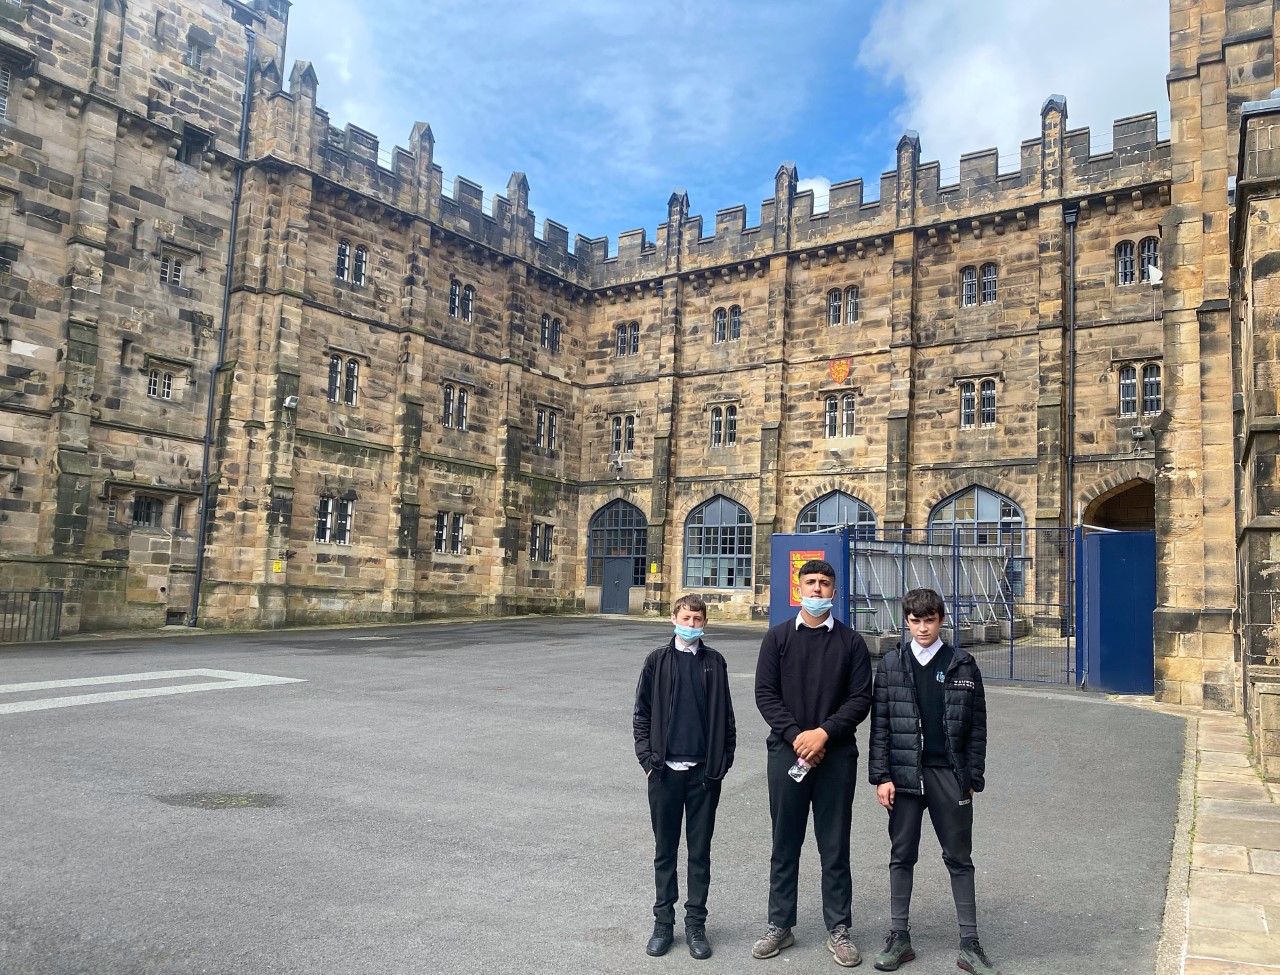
(222, 680)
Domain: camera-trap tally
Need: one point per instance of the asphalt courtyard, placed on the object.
(457, 798)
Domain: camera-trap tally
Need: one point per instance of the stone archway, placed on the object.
(1128, 507)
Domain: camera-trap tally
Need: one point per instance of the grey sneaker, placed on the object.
(842, 948)
(772, 942)
(897, 949)
(973, 959)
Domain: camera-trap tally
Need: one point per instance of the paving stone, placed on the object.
(1215, 856)
(1213, 966)
(1240, 888)
(1265, 861)
(1244, 791)
(1227, 916)
(1241, 946)
(1252, 833)
(1234, 809)
(1224, 759)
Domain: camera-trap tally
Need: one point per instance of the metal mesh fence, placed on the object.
(29, 616)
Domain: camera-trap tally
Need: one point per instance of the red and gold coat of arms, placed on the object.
(838, 369)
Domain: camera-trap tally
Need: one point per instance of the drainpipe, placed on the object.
(1069, 217)
(243, 150)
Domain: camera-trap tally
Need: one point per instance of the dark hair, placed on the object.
(820, 566)
(691, 601)
(923, 603)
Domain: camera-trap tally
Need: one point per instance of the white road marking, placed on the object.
(222, 680)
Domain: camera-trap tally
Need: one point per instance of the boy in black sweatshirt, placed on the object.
(685, 738)
(929, 751)
(813, 688)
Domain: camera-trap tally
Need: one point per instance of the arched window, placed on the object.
(455, 297)
(629, 435)
(977, 516)
(468, 302)
(335, 377)
(620, 336)
(852, 305)
(1128, 391)
(545, 338)
(968, 405)
(730, 425)
(1151, 392)
(447, 415)
(352, 380)
(360, 270)
(988, 402)
(618, 529)
(735, 322)
(343, 267)
(555, 334)
(835, 298)
(552, 418)
(835, 510)
(721, 331)
(968, 286)
(847, 415)
(540, 434)
(1125, 273)
(617, 435)
(460, 414)
(717, 426)
(717, 545)
(830, 416)
(635, 338)
(988, 283)
(1148, 257)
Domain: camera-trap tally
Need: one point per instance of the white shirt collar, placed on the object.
(829, 622)
(687, 647)
(924, 654)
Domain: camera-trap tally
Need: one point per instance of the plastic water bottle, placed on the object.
(799, 770)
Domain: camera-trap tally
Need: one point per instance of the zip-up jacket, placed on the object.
(897, 734)
(655, 692)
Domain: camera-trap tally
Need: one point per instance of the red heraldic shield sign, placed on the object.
(838, 369)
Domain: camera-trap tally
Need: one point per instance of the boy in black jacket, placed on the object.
(813, 688)
(685, 738)
(929, 751)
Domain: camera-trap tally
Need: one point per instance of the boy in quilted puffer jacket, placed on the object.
(929, 751)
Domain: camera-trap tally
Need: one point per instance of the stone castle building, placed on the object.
(254, 357)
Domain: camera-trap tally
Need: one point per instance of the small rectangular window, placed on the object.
(6, 82)
(193, 146)
(171, 267)
(546, 543)
(455, 535)
(442, 529)
(147, 511)
(535, 540)
(968, 405)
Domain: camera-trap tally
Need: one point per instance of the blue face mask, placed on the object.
(689, 633)
(815, 605)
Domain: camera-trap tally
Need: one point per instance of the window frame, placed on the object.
(360, 266)
(342, 269)
(835, 307)
(448, 392)
(830, 416)
(987, 404)
(718, 552)
(1148, 257)
(735, 322)
(1126, 265)
(989, 283)
(1152, 379)
(852, 304)
(968, 405)
(848, 414)
(969, 286)
(455, 297)
(468, 303)
(717, 426)
(720, 327)
(1127, 382)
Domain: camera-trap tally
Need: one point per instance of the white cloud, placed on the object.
(975, 75)
(821, 187)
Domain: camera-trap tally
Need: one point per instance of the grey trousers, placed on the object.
(952, 818)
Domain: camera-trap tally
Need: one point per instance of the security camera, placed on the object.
(290, 402)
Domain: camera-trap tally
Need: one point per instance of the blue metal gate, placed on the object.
(1116, 599)
(1009, 594)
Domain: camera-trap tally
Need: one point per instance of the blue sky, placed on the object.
(607, 106)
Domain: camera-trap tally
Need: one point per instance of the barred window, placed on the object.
(617, 435)
(620, 336)
(540, 429)
(969, 286)
(335, 378)
(988, 283)
(333, 520)
(351, 382)
(468, 302)
(442, 532)
(551, 430)
(360, 270)
(730, 425)
(447, 413)
(735, 322)
(1125, 273)
(1148, 256)
(556, 328)
(852, 305)
(830, 416)
(545, 334)
(717, 426)
(635, 338)
(629, 434)
(540, 542)
(1151, 391)
(343, 268)
(6, 84)
(147, 511)
(968, 405)
(455, 534)
(721, 325)
(847, 415)
(835, 301)
(1128, 391)
(988, 393)
(455, 297)
(460, 412)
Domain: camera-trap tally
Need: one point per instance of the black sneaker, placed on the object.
(663, 935)
(696, 936)
(897, 949)
(973, 959)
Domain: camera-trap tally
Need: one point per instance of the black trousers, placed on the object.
(690, 796)
(953, 824)
(828, 789)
